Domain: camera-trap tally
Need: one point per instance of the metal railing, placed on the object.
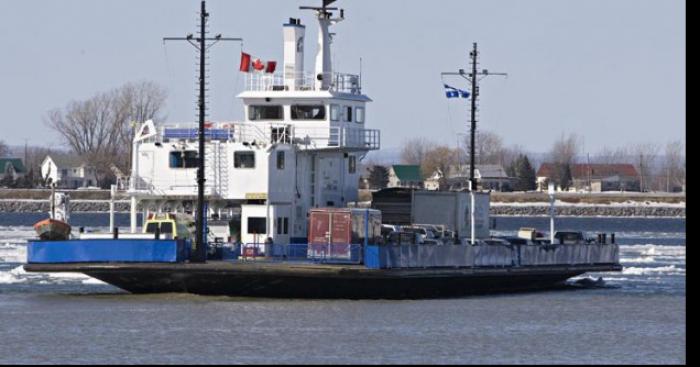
(322, 254)
(339, 82)
(276, 133)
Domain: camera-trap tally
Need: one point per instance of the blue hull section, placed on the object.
(107, 251)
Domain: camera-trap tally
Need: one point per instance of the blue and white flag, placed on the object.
(453, 92)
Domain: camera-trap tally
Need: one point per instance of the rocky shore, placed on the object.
(501, 209)
(590, 211)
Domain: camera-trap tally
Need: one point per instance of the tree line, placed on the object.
(99, 130)
(656, 171)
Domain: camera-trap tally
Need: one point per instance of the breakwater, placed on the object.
(501, 209)
(590, 211)
(43, 206)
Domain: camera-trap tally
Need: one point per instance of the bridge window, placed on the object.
(244, 159)
(184, 159)
(302, 112)
(257, 113)
(335, 112)
(360, 115)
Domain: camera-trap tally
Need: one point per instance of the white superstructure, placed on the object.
(299, 147)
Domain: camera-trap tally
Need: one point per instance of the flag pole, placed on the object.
(473, 78)
(200, 43)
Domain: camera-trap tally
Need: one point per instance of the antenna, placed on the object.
(324, 10)
(474, 78)
(200, 43)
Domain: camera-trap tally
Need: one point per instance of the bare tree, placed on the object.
(488, 148)
(673, 168)
(415, 150)
(439, 158)
(511, 154)
(4, 150)
(100, 130)
(566, 149)
(644, 156)
(563, 154)
(607, 155)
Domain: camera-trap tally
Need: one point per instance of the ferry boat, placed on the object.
(283, 180)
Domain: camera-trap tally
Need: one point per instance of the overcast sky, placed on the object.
(611, 71)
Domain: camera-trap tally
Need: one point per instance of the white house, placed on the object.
(68, 172)
(11, 167)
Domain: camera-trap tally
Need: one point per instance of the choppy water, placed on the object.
(639, 317)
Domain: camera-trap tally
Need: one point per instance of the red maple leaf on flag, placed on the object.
(258, 65)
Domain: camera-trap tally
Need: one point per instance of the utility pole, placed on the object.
(474, 77)
(202, 45)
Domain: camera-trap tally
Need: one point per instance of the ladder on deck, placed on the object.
(216, 170)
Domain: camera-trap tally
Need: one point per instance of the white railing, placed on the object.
(280, 133)
(339, 82)
(336, 138)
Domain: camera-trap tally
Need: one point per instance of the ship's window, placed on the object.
(335, 112)
(286, 225)
(257, 225)
(348, 114)
(301, 112)
(352, 164)
(280, 160)
(183, 159)
(257, 113)
(360, 115)
(244, 159)
(166, 228)
(151, 227)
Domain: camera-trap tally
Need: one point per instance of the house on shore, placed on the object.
(68, 172)
(12, 168)
(405, 176)
(488, 176)
(594, 177)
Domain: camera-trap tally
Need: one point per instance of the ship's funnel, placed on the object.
(294, 33)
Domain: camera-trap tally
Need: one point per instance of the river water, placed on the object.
(638, 317)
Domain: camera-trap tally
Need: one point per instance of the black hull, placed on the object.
(323, 282)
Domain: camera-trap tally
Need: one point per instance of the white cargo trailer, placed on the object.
(452, 209)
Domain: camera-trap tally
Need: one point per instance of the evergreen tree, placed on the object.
(565, 178)
(525, 174)
(378, 177)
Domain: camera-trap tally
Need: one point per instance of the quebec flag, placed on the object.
(453, 92)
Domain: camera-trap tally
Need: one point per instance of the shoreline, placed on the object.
(637, 210)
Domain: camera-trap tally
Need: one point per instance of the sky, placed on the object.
(611, 71)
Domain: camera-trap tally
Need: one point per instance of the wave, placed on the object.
(653, 250)
(663, 270)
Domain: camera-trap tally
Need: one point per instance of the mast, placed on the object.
(200, 254)
(324, 68)
(472, 147)
(474, 77)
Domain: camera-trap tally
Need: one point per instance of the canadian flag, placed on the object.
(247, 62)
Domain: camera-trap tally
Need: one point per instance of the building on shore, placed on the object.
(68, 172)
(594, 177)
(12, 168)
(405, 176)
(489, 177)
